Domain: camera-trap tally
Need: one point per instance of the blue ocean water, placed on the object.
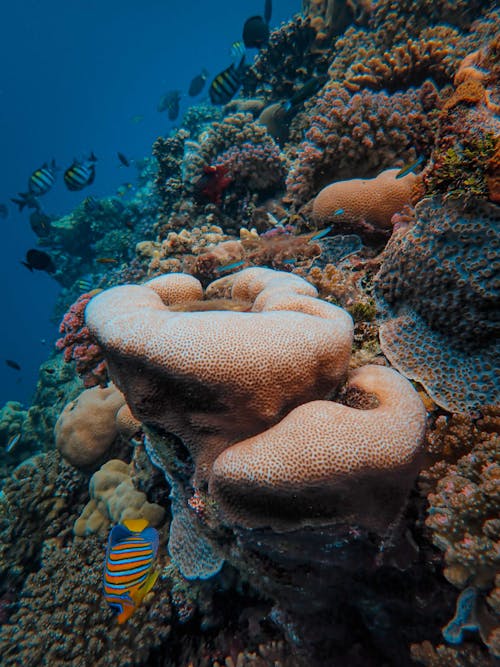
(74, 76)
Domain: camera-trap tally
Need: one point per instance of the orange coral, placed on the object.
(366, 204)
(470, 91)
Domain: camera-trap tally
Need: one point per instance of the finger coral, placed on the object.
(359, 134)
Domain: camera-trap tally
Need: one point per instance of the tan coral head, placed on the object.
(328, 462)
(214, 378)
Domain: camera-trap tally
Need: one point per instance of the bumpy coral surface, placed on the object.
(63, 619)
(257, 367)
(308, 465)
(365, 204)
(86, 428)
(358, 135)
(437, 284)
(215, 377)
(113, 498)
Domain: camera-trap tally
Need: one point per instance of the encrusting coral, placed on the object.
(438, 292)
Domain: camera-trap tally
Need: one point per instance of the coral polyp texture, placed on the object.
(263, 370)
(358, 135)
(438, 288)
(217, 376)
(367, 205)
(328, 461)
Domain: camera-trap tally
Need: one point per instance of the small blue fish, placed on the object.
(288, 261)
(230, 267)
(404, 171)
(130, 568)
(339, 211)
(12, 442)
(323, 232)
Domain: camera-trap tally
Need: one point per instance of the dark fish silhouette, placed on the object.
(123, 159)
(39, 260)
(13, 364)
(80, 174)
(255, 32)
(170, 103)
(198, 83)
(26, 199)
(40, 222)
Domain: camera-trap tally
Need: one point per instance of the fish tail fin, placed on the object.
(126, 613)
(92, 157)
(28, 266)
(268, 10)
(20, 201)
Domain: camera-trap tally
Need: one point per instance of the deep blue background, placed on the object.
(73, 74)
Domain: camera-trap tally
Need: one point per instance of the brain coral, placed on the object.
(86, 428)
(216, 378)
(367, 204)
(439, 289)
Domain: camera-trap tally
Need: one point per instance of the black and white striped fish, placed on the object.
(226, 84)
(80, 174)
(42, 179)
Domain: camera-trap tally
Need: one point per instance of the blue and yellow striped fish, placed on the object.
(42, 179)
(80, 174)
(225, 85)
(130, 567)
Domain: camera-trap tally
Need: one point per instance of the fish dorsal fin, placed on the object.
(135, 525)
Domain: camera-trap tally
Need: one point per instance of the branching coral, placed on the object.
(79, 346)
(249, 155)
(39, 501)
(63, 619)
(358, 135)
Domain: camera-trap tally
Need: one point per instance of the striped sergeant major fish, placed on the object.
(80, 174)
(42, 179)
(130, 566)
(227, 83)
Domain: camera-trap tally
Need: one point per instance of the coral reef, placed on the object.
(437, 287)
(360, 134)
(63, 619)
(86, 428)
(113, 498)
(39, 502)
